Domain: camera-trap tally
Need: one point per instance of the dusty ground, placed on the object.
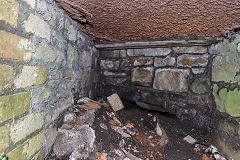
(145, 143)
(128, 134)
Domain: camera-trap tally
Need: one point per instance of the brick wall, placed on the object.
(43, 55)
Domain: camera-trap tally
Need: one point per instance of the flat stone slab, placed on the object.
(115, 102)
(171, 80)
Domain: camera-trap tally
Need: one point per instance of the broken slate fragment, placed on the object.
(120, 131)
(115, 102)
(190, 139)
(158, 130)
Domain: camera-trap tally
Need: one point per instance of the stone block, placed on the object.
(13, 105)
(38, 27)
(149, 52)
(25, 126)
(225, 68)
(72, 56)
(38, 156)
(198, 70)
(31, 75)
(110, 53)
(225, 47)
(200, 86)
(51, 134)
(4, 137)
(115, 80)
(71, 31)
(139, 61)
(175, 80)
(192, 49)
(48, 54)
(109, 64)
(48, 10)
(108, 73)
(115, 102)
(192, 60)
(228, 101)
(39, 98)
(6, 77)
(59, 107)
(162, 62)
(19, 153)
(31, 3)
(9, 12)
(86, 59)
(35, 144)
(58, 41)
(14, 47)
(142, 75)
(67, 140)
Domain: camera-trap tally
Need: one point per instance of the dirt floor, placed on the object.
(144, 143)
(128, 134)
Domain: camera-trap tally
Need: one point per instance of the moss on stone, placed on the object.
(6, 77)
(4, 137)
(9, 11)
(231, 101)
(18, 153)
(13, 105)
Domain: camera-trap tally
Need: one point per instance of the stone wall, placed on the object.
(43, 56)
(226, 84)
(194, 80)
(174, 77)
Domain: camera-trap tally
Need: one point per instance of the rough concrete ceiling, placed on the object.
(132, 20)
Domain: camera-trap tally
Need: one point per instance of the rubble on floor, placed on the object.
(93, 130)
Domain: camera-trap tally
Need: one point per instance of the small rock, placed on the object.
(149, 114)
(158, 130)
(78, 144)
(83, 100)
(205, 157)
(69, 117)
(90, 106)
(129, 125)
(115, 102)
(103, 126)
(120, 131)
(154, 119)
(129, 130)
(190, 139)
(151, 144)
(118, 152)
(121, 143)
(101, 156)
(130, 156)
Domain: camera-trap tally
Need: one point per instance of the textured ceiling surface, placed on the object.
(133, 20)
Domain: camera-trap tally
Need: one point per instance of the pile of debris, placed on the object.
(102, 130)
(76, 138)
